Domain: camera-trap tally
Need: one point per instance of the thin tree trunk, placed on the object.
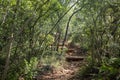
(58, 41)
(9, 47)
(8, 58)
(58, 22)
(67, 27)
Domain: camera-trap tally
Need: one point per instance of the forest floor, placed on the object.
(73, 61)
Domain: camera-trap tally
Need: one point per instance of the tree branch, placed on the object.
(58, 22)
(67, 27)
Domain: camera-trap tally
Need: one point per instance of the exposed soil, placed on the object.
(74, 59)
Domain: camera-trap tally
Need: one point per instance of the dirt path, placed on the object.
(65, 73)
(71, 66)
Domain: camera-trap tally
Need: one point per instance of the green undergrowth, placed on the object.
(52, 58)
(109, 70)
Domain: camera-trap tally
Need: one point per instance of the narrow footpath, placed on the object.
(73, 61)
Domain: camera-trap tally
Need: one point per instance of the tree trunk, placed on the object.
(7, 58)
(67, 27)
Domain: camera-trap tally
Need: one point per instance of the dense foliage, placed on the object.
(31, 30)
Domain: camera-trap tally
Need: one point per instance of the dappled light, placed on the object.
(59, 39)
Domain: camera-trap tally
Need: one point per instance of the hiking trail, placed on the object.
(74, 59)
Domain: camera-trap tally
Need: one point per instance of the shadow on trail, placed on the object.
(74, 59)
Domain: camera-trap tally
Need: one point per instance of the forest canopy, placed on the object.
(40, 32)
